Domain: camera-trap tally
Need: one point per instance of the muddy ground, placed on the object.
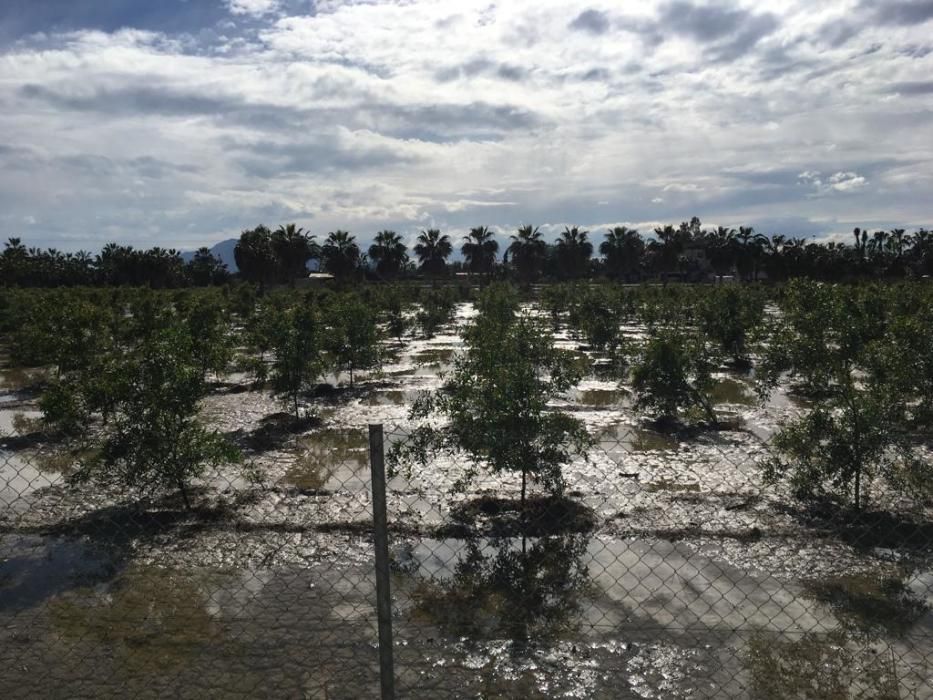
(670, 570)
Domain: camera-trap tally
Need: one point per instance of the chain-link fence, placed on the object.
(666, 567)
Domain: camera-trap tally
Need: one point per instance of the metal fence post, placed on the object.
(381, 542)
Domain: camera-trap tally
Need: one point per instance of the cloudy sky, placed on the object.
(181, 122)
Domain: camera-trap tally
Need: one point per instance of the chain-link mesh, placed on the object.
(665, 568)
(264, 588)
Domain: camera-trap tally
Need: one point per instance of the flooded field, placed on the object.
(668, 570)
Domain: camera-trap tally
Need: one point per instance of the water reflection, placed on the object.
(728, 391)
(870, 604)
(148, 618)
(601, 398)
(331, 458)
(517, 589)
(635, 439)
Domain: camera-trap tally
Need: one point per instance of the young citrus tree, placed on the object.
(858, 430)
(352, 334)
(297, 353)
(729, 315)
(154, 440)
(672, 375)
(496, 402)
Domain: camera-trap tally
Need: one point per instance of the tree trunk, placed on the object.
(524, 510)
(184, 494)
(858, 490)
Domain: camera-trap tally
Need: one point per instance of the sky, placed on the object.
(180, 123)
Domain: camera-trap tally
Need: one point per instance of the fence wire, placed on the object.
(666, 568)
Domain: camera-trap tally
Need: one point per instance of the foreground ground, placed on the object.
(672, 571)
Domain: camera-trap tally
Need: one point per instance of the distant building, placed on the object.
(315, 279)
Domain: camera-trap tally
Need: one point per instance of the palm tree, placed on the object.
(749, 246)
(255, 256)
(623, 249)
(480, 250)
(574, 252)
(666, 249)
(898, 242)
(720, 250)
(921, 252)
(340, 255)
(526, 252)
(432, 250)
(389, 253)
(293, 248)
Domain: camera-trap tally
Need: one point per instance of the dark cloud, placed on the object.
(729, 32)
(914, 87)
(481, 66)
(838, 32)
(780, 61)
(915, 51)
(596, 74)
(269, 160)
(147, 167)
(162, 100)
(900, 12)
(436, 123)
(508, 72)
(592, 21)
(753, 31)
(870, 13)
(704, 23)
(446, 123)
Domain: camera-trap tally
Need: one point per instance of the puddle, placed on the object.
(600, 398)
(387, 398)
(506, 589)
(732, 391)
(33, 569)
(331, 459)
(634, 439)
(435, 357)
(871, 604)
(577, 587)
(149, 619)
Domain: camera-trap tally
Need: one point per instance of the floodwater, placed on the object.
(683, 575)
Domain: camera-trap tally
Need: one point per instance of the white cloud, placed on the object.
(373, 114)
(844, 182)
(256, 8)
(837, 182)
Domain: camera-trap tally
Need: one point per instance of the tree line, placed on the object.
(685, 252)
